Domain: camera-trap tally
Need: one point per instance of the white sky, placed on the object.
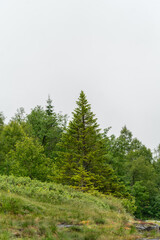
(110, 49)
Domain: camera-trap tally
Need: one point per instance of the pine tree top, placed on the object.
(49, 107)
(82, 115)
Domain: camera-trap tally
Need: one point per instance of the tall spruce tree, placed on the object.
(82, 160)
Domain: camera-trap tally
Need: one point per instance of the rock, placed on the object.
(145, 226)
(64, 225)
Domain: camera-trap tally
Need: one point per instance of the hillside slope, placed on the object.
(30, 209)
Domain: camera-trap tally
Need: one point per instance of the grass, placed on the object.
(30, 209)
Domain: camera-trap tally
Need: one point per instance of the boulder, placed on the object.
(145, 226)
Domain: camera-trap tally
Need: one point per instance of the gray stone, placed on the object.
(147, 227)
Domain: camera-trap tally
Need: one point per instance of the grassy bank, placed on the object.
(30, 209)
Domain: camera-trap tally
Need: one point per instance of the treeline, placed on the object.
(44, 146)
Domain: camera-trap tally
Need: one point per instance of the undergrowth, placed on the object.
(30, 209)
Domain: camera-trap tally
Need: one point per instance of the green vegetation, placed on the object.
(30, 209)
(43, 146)
(81, 157)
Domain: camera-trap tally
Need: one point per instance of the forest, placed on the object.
(45, 146)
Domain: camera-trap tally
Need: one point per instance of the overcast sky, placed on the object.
(110, 49)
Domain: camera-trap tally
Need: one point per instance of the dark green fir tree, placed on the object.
(81, 159)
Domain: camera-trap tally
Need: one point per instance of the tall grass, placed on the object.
(30, 209)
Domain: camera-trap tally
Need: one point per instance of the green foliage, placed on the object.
(133, 163)
(155, 207)
(30, 209)
(19, 116)
(42, 146)
(11, 134)
(28, 159)
(38, 120)
(15, 205)
(82, 153)
(49, 107)
(45, 127)
(2, 118)
(141, 170)
(141, 195)
(83, 180)
(52, 192)
(129, 205)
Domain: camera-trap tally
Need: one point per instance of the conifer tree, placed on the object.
(82, 160)
(45, 126)
(49, 107)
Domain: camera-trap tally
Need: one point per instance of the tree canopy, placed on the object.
(44, 146)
